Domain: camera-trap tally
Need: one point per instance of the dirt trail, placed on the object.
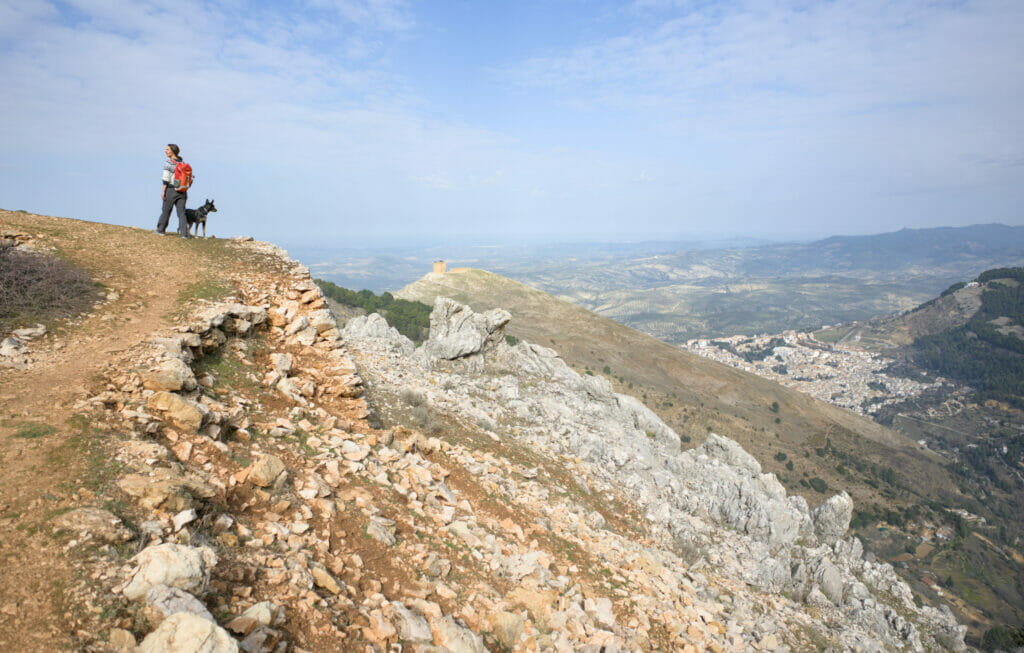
(37, 475)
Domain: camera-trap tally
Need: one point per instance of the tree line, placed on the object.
(412, 319)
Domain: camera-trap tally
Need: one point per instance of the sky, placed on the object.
(340, 122)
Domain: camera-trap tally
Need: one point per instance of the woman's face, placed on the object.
(168, 152)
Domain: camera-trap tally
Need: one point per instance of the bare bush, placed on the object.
(39, 288)
(413, 398)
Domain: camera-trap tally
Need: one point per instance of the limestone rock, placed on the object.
(99, 525)
(174, 565)
(600, 610)
(456, 331)
(411, 627)
(282, 363)
(456, 637)
(832, 518)
(729, 452)
(322, 320)
(187, 633)
(121, 640)
(373, 327)
(381, 529)
(539, 603)
(163, 601)
(172, 374)
(506, 627)
(298, 324)
(184, 413)
(324, 579)
(265, 471)
(28, 333)
(166, 489)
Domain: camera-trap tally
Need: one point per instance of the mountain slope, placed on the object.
(240, 471)
(689, 392)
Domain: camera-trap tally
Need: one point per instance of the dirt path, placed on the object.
(38, 475)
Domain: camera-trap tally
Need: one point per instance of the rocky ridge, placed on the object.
(509, 504)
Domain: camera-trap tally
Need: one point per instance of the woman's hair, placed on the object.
(174, 148)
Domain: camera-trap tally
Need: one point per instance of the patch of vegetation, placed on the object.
(226, 370)
(511, 340)
(818, 485)
(412, 319)
(33, 431)
(39, 288)
(1000, 638)
(206, 289)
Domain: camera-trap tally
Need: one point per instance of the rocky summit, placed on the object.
(284, 482)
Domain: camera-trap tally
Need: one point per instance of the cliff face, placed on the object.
(277, 481)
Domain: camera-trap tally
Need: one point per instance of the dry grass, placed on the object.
(39, 288)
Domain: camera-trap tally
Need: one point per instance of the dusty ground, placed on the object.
(42, 475)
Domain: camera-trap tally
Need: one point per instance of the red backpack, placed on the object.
(182, 179)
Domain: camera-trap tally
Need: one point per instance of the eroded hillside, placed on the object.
(227, 466)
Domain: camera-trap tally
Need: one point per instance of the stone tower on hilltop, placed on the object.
(440, 267)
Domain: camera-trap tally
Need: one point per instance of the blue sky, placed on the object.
(345, 121)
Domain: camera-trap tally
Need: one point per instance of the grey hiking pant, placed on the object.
(173, 198)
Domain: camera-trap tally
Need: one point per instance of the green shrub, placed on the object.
(819, 485)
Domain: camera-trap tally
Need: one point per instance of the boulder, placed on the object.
(163, 601)
(174, 565)
(265, 471)
(172, 374)
(166, 489)
(832, 518)
(184, 413)
(456, 331)
(282, 364)
(322, 320)
(187, 633)
(298, 324)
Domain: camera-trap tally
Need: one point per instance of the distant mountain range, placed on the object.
(771, 288)
(677, 291)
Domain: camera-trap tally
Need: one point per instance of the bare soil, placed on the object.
(43, 458)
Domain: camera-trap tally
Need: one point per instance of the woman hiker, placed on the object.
(170, 195)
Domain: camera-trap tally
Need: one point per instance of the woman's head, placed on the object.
(173, 149)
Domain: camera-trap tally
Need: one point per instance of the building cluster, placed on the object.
(845, 376)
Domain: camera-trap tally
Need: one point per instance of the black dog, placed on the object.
(198, 216)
